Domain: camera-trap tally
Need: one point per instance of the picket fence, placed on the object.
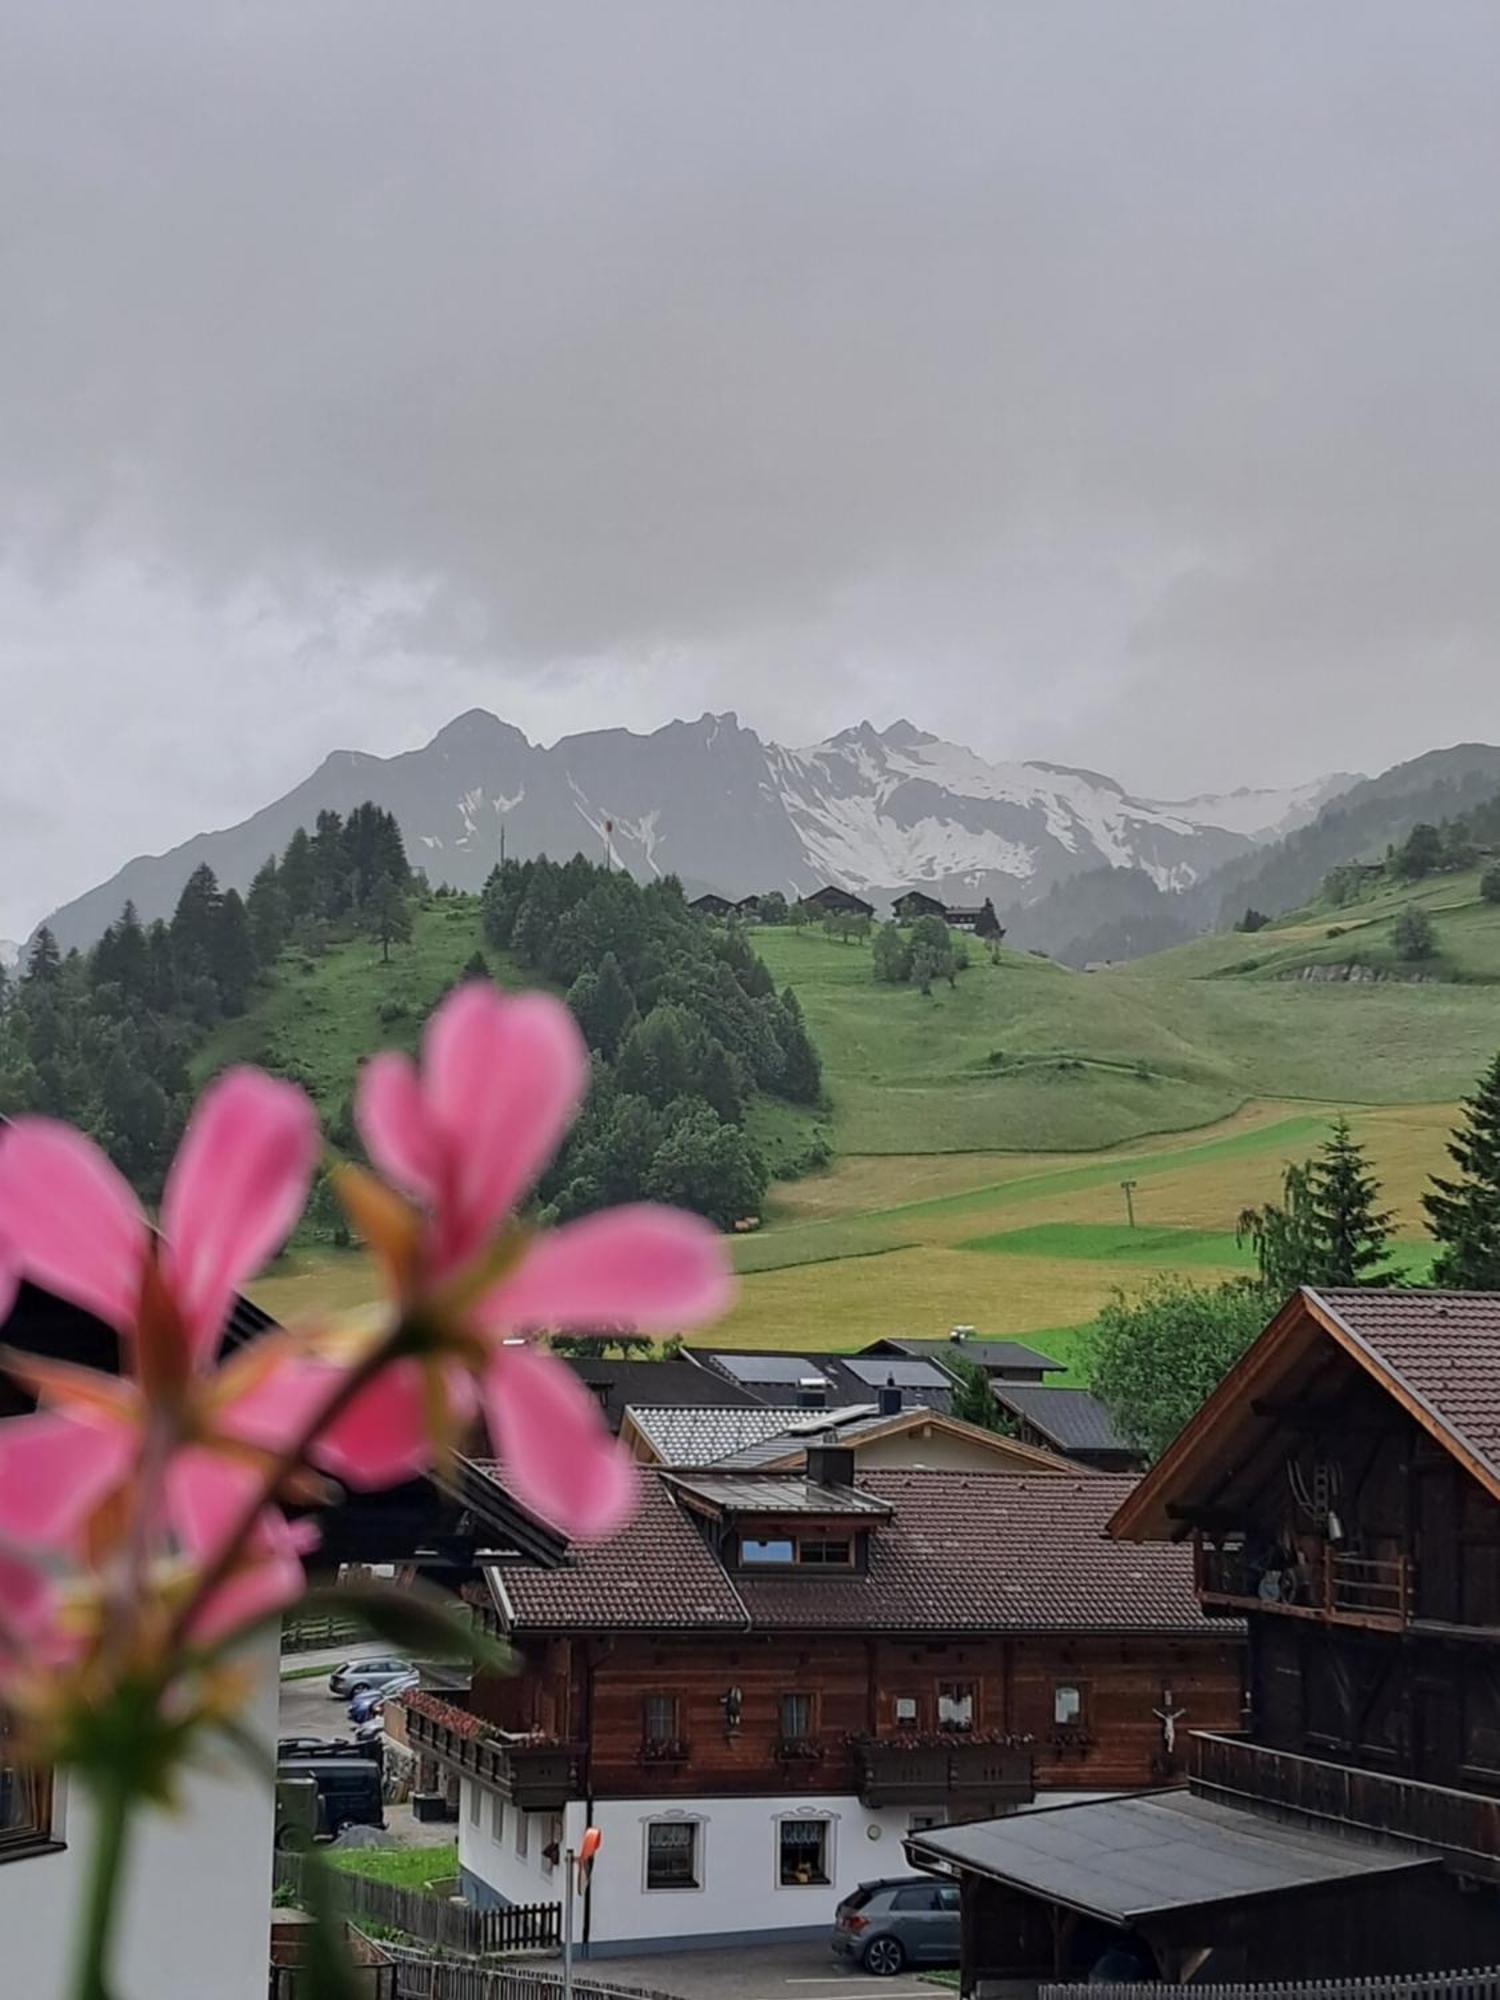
(1482, 1984)
(420, 1977)
(448, 1925)
(313, 1635)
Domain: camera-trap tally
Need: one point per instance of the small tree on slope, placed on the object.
(1464, 1214)
(1326, 1229)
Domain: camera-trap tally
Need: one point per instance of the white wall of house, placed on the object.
(502, 1847)
(198, 1898)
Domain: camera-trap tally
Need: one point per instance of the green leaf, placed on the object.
(424, 1624)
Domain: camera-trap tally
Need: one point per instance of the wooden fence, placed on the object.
(312, 1635)
(448, 1925)
(419, 1977)
(1478, 1985)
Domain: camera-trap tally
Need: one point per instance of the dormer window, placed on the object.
(817, 1550)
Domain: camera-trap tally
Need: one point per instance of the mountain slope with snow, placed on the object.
(877, 811)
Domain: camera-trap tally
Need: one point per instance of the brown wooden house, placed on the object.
(1341, 1492)
(835, 902)
(763, 1684)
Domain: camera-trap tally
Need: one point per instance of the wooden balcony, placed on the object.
(1465, 1825)
(1334, 1586)
(536, 1773)
(943, 1770)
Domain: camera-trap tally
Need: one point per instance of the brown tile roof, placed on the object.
(656, 1572)
(963, 1552)
(1443, 1348)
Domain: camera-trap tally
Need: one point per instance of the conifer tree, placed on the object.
(44, 960)
(232, 954)
(1464, 1214)
(801, 1072)
(269, 913)
(1326, 1229)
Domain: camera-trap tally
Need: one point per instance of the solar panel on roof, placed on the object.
(905, 1374)
(769, 1368)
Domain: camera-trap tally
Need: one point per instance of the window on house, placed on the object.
(552, 1845)
(659, 1718)
(906, 1711)
(798, 1722)
(672, 1854)
(521, 1819)
(474, 1802)
(955, 1706)
(755, 1551)
(822, 1553)
(1067, 1704)
(803, 1853)
(919, 1822)
(497, 1818)
(25, 1804)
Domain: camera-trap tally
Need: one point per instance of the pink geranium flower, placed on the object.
(235, 1189)
(465, 1137)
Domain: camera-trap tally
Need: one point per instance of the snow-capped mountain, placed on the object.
(877, 811)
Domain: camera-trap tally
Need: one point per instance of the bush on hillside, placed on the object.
(1489, 884)
(1413, 935)
(1154, 1357)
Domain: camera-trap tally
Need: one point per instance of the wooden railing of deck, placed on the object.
(1464, 1825)
(1478, 1985)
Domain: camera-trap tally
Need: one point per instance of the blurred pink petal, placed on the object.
(206, 1498)
(10, 1279)
(558, 1458)
(656, 1269)
(383, 1437)
(233, 1193)
(269, 1583)
(276, 1410)
(54, 1472)
(207, 1495)
(27, 1602)
(502, 1077)
(71, 1220)
(394, 1123)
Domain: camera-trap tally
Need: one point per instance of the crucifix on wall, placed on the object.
(1169, 1715)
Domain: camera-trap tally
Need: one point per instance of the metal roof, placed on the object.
(1126, 1859)
(1072, 1419)
(786, 1494)
(988, 1353)
(905, 1374)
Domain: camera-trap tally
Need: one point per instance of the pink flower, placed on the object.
(233, 1193)
(466, 1137)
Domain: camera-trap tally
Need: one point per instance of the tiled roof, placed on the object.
(673, 1382)
(790, 1445)
(776, 1378)
(790, 1493)
(698, 1438)
(1443, 1347)
(962, 1552)
(657, 1572)
(1072, 1419)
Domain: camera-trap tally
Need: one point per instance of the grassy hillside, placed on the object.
(983, 1133)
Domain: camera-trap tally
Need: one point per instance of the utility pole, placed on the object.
(569, 1862)
(609, 842)
(1129, 1192)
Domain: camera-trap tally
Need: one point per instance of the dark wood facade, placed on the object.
(866, 1710)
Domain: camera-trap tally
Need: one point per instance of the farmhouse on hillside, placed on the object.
(711, 905)
(835, 902)
(1341, 1492)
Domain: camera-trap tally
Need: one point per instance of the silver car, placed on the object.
(353, 1675)
(903, 1920)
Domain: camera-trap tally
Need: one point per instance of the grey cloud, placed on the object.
(1108, 383)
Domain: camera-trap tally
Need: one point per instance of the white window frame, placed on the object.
(522, 1834)
(476, 1798)
(805, 1814)
(497, 1818)
(700, 1853)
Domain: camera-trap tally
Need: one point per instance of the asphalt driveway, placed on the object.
(806, 1971)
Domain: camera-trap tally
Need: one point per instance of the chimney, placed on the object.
(890, 1399)
(830, 1463)
(812, 1393)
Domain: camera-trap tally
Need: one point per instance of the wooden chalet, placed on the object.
(1074, 1422)
(765, 1682)
(917, 903)
(1341, 1492)
(748, 908)
(711, 905)
(835, 902)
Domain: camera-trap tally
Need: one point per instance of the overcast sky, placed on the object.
(1110, 383)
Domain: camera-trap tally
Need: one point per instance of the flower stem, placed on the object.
(112, 1806)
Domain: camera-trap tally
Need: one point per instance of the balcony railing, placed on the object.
(947, 1770)
(1465, 1825)
(538, 1774)
(1332, 1584)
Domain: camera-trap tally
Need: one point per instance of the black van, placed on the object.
(350, 1778)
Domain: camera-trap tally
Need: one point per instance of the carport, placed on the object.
(1204, 1888)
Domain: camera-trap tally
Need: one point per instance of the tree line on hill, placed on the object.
(684, 1025)
(1155, 1357)
(103, 1038)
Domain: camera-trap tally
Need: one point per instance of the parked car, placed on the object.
(904, 1920)
(373, 1695)
(350, 1780)
(347, 1679)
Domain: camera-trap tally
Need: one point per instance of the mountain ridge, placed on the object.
(708, 799)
